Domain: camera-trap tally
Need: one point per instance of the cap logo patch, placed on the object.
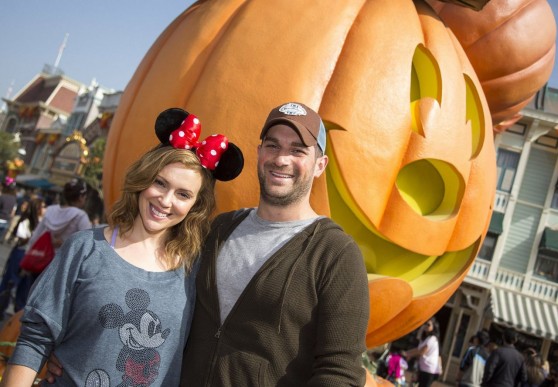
(292, 109)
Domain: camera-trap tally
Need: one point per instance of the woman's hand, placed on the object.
(54, 369)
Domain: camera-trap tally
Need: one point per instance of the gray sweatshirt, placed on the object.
(108, 322)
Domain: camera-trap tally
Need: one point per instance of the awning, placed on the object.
(549, 240)
(496, 223)
(38, 183)
(34, 181)
(525, 313)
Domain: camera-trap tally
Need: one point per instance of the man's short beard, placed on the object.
(299, 191)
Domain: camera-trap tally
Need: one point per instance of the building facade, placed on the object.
(513, 281)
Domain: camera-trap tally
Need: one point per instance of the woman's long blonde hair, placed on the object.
(184, 240)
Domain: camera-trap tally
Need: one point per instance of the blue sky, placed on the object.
(107, 38)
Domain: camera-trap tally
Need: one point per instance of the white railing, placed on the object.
(479, 269)
(508, 279)
(501, 201)
(543, 289)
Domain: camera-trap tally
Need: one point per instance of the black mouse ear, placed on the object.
(167, 121)
(230, 164)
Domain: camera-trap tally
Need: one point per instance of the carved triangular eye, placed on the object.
(426, 88)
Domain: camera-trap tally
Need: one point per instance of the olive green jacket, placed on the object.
(301, 321)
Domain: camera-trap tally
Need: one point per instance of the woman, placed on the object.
(535, 373)
(115, 304)
(10, 235)
(428, 352)
(30, 218)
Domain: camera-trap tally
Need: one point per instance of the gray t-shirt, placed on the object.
(250, 245)
(106, 320)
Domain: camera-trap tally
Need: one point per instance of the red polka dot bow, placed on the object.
(209, 151)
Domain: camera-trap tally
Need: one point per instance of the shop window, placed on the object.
(524, 340)
(507, 168)
(488, 246)
(546, 267)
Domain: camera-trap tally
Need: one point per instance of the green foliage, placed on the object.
(93, 170)
(8, 148)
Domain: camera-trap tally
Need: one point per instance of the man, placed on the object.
(505, 365)
(282, 295)
(472, 365)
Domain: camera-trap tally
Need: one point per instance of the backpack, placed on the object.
(38, 256)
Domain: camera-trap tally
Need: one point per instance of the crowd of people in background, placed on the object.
(490, 360)
(25, 213)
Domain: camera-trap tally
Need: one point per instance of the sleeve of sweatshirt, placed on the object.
(343, 309)
(46, 314)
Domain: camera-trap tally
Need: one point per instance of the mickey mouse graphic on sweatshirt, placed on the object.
(140, 332)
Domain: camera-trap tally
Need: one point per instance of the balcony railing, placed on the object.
(543, 289)
(479, 270)
(509, 279)
(536, 287)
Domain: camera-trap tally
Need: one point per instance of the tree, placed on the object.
(93, 170)
(8, 149)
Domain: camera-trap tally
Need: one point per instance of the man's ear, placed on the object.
(321, 164)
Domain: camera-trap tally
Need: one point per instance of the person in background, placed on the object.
(428, 353)
(505, 366)
(471, 368)
(552, 377)
(282, 292)
(115, 304)
(28, 221)
(10, 235)
(62, 220)
(546, 368)
(396, 366)
(535, 372)
(8, 204)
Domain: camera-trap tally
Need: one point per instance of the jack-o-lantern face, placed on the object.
(412, 165)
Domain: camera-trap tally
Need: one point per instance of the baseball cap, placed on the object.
(305, 121)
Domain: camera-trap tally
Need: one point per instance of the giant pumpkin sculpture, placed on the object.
(412, 163)
(511, 45)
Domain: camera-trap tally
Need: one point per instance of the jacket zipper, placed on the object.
(212, 277)
(217, 335)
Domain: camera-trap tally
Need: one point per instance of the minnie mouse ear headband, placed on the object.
(181, 130)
